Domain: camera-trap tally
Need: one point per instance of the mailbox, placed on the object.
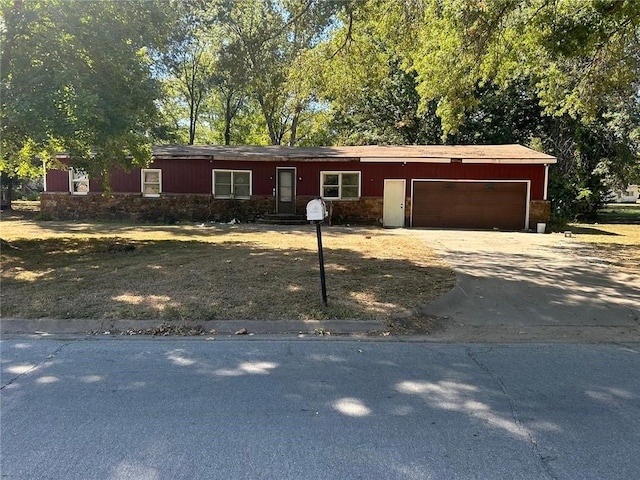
(316, 210)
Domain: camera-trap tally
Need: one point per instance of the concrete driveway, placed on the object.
(524, 286)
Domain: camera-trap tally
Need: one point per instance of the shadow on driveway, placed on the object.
(521, 279)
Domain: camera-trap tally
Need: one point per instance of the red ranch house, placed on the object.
(459, 186)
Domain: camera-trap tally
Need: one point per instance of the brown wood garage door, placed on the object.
(483, 205)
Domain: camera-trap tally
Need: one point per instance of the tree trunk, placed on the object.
(268, 117)
(7, 181)
(228, 115)
(272, 133)
(192, 121)
(294, 128)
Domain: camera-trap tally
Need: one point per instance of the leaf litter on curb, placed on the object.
(163, 330)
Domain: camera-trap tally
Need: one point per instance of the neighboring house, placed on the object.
(480, 186)
(630, 195)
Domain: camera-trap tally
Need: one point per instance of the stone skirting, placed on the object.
(539, 212)
(170, 208)
(166, 209)
(365, 211)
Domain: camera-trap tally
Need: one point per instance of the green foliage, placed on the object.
(103, 80)
(387, 114)
(76, 77)
(270, 39)
(563, 75)
(188, 66)
(576, 52)
(592, 158)
(245, 126)
(255, 53)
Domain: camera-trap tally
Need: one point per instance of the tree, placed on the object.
(567, 73)
(188, 64)
(76, 77)
(231, 85)
(246, 127)
(593, 159)
(192, 67)
(386, 114)
(227, 56)
(269, 36)
(577, 53)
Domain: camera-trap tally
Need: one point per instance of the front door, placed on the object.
(393, 203)
(286, 191)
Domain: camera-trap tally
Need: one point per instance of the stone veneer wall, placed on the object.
(166, 208)
(539, 212)
(364, 211)
(171, 208)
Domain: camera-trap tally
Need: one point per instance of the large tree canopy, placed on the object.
(558, 75)
(563, 75)
(579, 54)
(76, 77)
(269, 37)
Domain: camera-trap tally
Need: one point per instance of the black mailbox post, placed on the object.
(316, 213)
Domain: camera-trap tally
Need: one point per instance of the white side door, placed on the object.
(393, 203)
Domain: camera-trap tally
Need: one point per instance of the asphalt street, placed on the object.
(291, 408)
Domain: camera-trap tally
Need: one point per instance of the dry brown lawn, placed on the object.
(618, 243)
(210, 272)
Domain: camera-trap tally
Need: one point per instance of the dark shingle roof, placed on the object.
(367, 153)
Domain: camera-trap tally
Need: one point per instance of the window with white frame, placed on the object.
(232, 184)
(151, 182)
(78, 182)
(340, 185)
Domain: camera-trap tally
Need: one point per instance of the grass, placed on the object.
(618, 239)
(209, 272)
(620, 213)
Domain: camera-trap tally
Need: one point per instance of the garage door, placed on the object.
(465, 204)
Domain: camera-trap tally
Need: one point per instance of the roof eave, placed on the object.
(510, 161)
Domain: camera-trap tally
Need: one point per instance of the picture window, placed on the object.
(232, 184)
(340, 185)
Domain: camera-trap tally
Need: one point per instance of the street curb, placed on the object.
(85, 326)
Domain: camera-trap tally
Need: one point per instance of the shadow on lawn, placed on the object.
(580, 230)
(190, 229)
(115, 278)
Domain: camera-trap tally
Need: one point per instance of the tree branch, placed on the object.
(347, 37)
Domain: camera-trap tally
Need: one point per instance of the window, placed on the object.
(340, 185)
(151, 182)
(78, 182)
(232, 184)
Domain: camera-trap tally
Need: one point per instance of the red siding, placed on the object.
(477, 171)
(308, 174)
(126, 182)
(194, 176)
(185, 176)
(373, 174)
(121, 181)
(263, 174)
(57, 180)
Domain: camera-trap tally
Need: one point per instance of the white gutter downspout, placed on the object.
(546, 181)
(44, 180)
